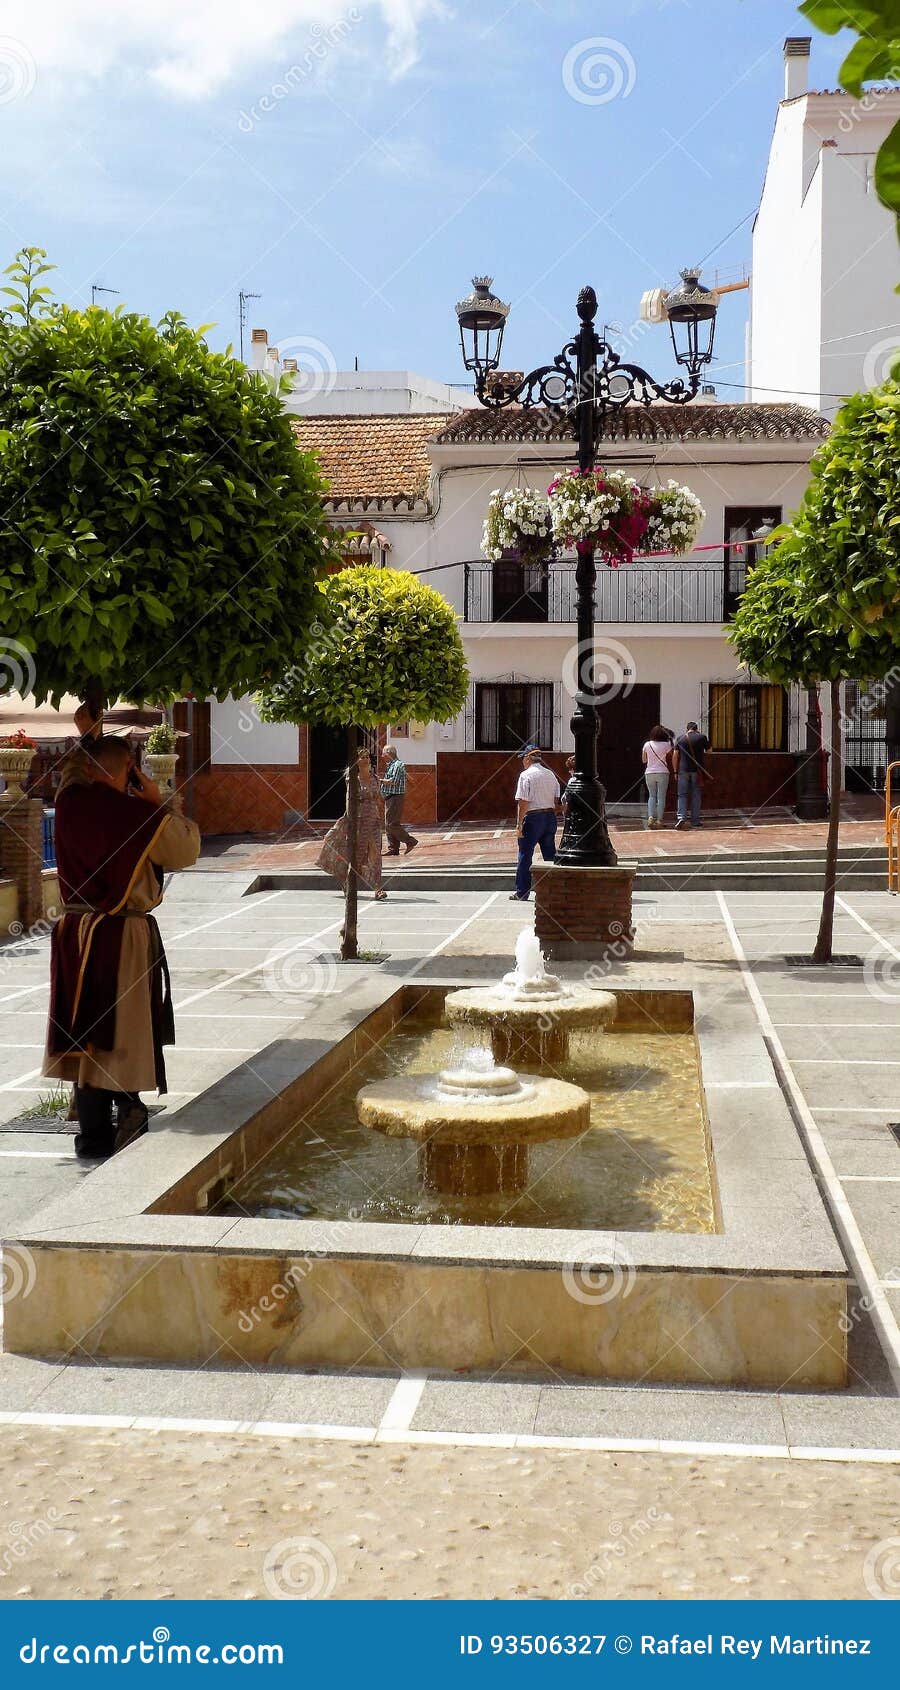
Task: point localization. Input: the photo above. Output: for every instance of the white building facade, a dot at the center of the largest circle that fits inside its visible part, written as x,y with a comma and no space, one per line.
824,316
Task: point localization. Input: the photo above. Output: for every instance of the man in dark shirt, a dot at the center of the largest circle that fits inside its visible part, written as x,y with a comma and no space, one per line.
690,771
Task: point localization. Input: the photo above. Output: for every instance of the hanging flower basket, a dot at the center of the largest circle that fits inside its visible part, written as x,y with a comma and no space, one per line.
675,520
602,508
518,525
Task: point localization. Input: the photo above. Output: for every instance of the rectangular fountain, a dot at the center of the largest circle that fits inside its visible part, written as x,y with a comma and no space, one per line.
678,1236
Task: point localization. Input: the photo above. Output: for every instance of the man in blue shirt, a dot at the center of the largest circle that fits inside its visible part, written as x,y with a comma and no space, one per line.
393,791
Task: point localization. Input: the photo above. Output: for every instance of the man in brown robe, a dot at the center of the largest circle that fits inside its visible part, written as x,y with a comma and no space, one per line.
110,1008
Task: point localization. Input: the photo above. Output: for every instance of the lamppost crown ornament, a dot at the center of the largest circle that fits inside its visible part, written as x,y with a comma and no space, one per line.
586,305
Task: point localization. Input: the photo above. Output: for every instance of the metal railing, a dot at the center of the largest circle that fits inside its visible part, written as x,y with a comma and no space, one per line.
632,593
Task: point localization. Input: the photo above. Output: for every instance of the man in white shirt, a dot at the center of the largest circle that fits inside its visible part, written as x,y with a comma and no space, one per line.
537,796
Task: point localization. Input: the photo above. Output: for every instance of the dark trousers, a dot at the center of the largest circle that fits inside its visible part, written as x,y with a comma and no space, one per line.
538,829
397,834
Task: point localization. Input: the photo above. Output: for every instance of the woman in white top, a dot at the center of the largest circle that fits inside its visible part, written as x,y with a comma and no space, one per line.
655,756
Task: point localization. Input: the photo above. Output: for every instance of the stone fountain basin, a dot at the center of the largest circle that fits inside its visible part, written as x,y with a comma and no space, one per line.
136,1263
484,1006
549,1109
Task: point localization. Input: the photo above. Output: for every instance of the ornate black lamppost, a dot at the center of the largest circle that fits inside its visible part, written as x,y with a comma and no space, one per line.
586,382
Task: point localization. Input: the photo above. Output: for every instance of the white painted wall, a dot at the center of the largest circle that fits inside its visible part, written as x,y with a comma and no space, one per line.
238,736
823,312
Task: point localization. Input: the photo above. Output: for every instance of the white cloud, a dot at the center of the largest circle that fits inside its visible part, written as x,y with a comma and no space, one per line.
192,48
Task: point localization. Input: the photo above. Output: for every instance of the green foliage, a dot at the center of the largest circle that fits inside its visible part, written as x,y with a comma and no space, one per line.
161,741
161,533
848,527
25,288
825,603
875,56
777,631
385,645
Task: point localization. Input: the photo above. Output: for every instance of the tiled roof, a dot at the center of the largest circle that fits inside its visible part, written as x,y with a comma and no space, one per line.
633,422
372,457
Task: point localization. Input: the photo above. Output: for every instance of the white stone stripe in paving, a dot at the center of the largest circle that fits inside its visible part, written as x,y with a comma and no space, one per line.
842,1215
868,927
405,1399
463,1440
39,1155
870,1179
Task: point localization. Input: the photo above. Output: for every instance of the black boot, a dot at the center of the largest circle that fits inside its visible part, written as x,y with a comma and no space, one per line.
95,1139
132,1118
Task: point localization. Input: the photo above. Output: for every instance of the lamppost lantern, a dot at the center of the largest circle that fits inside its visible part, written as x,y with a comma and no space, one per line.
584,388
482,319
691,312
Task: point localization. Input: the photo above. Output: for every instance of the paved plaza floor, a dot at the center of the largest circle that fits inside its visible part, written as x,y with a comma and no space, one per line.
465,1486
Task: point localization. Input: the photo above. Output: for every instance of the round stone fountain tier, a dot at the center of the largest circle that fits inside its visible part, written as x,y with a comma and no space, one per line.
530,1030
472,1148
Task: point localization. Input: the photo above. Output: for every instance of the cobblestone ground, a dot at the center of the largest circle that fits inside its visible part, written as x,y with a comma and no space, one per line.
156,1515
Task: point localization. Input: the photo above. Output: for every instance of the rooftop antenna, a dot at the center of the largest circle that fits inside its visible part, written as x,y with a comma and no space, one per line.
243,297
96,288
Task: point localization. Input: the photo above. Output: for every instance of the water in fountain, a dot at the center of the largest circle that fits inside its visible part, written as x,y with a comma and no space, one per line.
474,1077
529,979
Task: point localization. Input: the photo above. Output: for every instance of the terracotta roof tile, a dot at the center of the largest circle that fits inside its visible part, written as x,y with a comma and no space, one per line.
368,457
659,422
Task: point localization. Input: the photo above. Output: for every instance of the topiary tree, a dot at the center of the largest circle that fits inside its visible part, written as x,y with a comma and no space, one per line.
387,646
848,526
778,632
161,531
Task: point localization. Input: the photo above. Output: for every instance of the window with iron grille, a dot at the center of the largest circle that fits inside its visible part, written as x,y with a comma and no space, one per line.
749,716
510,714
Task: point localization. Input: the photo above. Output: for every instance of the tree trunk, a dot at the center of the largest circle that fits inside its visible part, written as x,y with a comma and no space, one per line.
94,698
349,948
824,941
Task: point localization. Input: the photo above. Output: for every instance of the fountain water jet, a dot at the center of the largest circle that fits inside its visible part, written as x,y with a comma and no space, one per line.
530,1014
473,1123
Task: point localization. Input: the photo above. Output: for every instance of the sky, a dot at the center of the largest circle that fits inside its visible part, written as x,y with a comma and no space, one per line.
356,164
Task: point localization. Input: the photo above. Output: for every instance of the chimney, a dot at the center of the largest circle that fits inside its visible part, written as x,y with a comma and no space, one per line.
796,65
259,346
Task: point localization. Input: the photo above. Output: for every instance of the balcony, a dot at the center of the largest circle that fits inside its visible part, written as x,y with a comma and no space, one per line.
673,593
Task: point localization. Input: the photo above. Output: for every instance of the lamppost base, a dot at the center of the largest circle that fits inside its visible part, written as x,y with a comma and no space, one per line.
585,841
584,913
811,803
